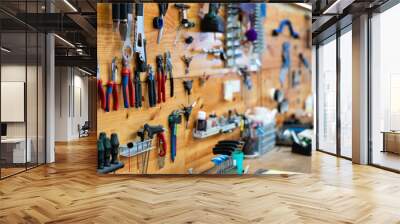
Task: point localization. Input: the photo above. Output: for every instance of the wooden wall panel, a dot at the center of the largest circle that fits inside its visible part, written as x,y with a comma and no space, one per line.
193,153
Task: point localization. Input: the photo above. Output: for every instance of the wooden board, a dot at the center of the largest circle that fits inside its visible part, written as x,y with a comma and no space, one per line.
192,153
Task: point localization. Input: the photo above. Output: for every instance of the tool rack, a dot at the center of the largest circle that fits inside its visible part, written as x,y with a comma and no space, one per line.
138,148
225,128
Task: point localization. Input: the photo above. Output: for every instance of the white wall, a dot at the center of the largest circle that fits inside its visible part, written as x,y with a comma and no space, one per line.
71,102
33,127
16,73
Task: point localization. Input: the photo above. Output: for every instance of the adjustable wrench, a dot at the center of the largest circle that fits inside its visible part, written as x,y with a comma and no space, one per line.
125,29
140,40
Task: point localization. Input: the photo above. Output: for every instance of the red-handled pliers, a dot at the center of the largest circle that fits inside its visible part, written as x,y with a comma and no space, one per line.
161,79
112,88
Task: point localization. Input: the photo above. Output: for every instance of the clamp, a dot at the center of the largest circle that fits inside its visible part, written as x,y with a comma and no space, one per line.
187,60
184,21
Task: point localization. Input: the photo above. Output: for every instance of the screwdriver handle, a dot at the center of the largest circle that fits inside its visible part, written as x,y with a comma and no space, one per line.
115,12
131,91
123,12
139,9
138,89
125,90
108,96
115,96
164,81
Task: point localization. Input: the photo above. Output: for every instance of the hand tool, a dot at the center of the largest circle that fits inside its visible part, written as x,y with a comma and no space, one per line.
187,60
112,88
114,148
277,95
212,22
283,106
161,79
127,86
246,77
140,40
296,78
100,154
151,87
218,52
174,119
282,25
100,91
107,151
148,131
187,85
158,22
123,25
203,79
162,143
125,28
168,69
151,130
285,62
116,16
304,61
184,21
138,89
187,111
162,149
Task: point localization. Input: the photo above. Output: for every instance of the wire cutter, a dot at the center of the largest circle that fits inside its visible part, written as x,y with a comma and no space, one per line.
161,79
112,88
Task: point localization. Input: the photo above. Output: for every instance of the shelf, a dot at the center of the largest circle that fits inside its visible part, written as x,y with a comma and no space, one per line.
214,131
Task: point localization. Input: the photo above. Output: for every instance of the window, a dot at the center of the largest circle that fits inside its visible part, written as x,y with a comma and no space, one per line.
22,76
346,93
327,96
385,89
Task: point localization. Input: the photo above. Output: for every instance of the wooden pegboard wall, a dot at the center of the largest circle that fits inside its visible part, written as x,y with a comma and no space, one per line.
192,153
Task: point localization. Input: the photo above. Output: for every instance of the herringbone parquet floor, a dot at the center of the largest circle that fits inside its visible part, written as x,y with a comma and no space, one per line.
70,192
